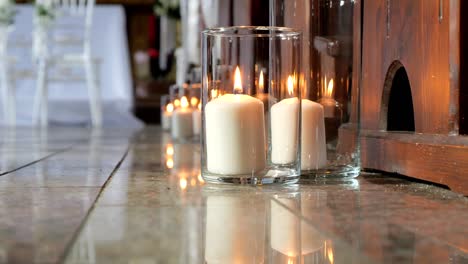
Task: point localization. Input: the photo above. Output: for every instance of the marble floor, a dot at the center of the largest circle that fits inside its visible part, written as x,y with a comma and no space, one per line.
71,195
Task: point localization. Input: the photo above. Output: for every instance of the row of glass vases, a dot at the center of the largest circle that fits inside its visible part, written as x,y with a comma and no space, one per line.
279,102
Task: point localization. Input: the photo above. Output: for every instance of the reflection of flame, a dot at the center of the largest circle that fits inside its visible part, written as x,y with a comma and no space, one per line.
176,102
261,82
290,85
237,81
170,163
290,261
214,93
329,89
169,107
183,183
330,254
184,102
199,106
193,101
170,150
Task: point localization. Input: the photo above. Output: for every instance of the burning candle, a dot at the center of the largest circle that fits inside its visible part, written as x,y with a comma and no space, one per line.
176,103
182,120
284,124
166,116
329,104
235,133
194,101
197,120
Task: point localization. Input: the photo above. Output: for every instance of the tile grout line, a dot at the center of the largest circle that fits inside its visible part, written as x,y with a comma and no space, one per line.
77,232
37,161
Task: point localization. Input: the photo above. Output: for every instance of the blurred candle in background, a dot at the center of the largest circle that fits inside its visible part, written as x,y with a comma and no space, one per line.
182,121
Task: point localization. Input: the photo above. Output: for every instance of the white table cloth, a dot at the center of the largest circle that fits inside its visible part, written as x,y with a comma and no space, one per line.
68,101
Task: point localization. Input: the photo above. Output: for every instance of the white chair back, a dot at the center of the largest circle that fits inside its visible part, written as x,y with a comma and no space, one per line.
53,11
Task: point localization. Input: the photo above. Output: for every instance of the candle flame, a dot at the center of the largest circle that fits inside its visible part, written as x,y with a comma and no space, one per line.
328,88
329,91
169,107
290,261
261,82
237,81
170,150
193,101
290,85
183,183
193,182
170,163
184,102
176,102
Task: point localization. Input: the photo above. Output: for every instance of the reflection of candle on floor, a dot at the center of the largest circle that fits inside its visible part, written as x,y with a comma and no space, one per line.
197,120
284,128
285,228
166,116
183,156
182,121
235,230
235,133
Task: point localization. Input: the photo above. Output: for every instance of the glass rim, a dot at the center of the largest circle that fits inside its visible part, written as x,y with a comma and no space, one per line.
252,31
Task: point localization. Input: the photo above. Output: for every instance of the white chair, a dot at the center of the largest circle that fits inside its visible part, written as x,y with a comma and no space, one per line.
46,57
6,78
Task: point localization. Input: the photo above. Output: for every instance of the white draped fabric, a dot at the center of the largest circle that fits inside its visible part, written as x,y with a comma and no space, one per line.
68,100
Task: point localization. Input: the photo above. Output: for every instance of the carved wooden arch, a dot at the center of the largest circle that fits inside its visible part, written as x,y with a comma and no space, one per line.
387,89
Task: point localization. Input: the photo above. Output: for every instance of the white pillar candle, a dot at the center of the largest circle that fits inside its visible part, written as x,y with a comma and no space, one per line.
166,116
313,148
197,120
182,121
284,131
235,133
284,128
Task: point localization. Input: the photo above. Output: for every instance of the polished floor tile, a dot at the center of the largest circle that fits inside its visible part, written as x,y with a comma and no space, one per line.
123,197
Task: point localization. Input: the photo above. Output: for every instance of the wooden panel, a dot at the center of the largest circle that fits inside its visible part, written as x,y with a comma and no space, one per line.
454,60
408,31
357,49
435,158
372,60
463,60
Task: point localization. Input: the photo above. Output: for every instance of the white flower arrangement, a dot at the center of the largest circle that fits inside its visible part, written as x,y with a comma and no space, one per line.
168,8
7,12
45,9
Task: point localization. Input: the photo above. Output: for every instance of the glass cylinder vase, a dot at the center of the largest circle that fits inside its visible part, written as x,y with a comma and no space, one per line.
331,67
250,105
